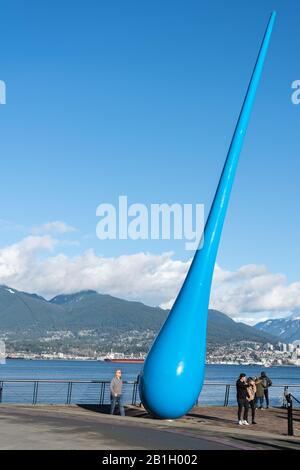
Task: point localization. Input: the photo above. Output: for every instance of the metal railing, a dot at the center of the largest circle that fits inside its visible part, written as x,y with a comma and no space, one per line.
63,391
225,394
97,392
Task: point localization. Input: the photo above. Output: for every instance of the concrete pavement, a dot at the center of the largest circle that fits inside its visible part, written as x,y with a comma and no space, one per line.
46,427
74,427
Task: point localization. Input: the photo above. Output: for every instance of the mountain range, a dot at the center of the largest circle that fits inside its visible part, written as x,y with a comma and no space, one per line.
87,317
287,329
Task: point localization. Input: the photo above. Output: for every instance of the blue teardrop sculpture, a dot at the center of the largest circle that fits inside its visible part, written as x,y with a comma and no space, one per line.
173,372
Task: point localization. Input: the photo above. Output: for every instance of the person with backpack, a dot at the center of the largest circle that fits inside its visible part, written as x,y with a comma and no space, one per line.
266,383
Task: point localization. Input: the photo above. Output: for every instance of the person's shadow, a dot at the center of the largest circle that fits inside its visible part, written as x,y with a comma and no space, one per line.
104,409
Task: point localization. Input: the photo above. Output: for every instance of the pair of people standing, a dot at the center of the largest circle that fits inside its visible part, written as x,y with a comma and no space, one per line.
246,390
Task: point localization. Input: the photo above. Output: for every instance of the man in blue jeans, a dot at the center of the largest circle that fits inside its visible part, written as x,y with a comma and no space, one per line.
116,393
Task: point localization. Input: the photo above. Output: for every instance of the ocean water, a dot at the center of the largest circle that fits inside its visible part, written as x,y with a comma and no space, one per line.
213,392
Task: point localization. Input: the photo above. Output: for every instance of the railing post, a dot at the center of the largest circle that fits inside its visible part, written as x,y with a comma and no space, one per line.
35,393
100,394
136,388
227,390
290,414
1,391
225,397
69,393
70,396
103,393
67,399
134,392
102,389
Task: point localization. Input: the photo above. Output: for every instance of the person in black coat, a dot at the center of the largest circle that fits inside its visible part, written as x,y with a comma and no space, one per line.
241,396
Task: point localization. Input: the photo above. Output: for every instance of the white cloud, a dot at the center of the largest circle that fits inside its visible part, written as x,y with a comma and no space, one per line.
55,227
153,279
18,259
249,294
253,294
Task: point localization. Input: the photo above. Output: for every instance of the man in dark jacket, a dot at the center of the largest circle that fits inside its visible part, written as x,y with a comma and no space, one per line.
116,385
241,396
266,383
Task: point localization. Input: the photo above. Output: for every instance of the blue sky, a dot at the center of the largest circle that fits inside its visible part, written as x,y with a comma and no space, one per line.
141,98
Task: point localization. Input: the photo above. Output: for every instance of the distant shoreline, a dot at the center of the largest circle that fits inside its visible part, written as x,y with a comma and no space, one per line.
89,359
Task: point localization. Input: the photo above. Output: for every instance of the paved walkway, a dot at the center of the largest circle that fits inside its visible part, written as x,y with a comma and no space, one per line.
272,420
74,427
